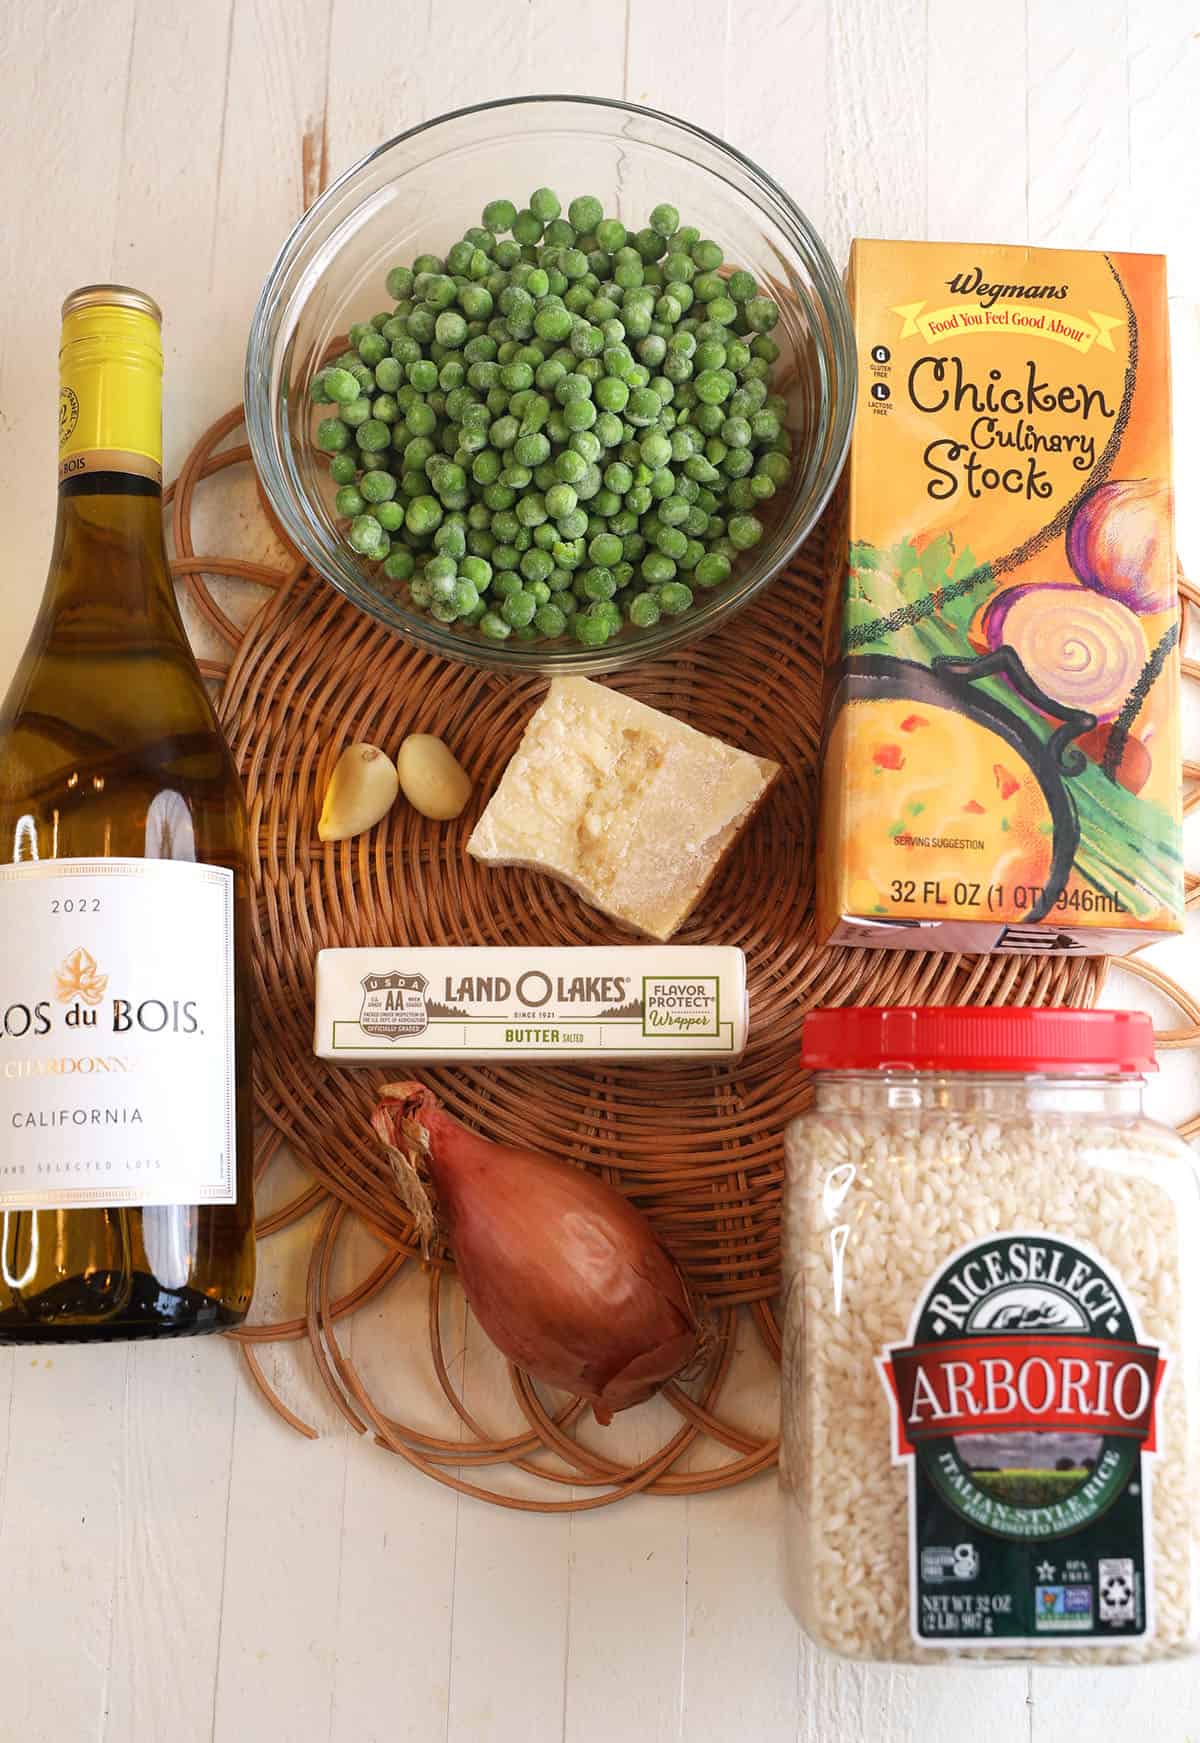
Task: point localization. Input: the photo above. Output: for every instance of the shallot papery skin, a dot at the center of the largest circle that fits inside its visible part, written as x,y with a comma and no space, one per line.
564,1275
1120,542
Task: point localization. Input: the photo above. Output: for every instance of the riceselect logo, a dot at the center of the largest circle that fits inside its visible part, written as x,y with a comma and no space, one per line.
1024,1391
973,284
81,989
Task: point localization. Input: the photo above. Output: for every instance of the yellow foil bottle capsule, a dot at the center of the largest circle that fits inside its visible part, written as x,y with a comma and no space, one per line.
110,384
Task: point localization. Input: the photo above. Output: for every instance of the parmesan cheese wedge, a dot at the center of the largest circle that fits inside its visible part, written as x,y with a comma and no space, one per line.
632,809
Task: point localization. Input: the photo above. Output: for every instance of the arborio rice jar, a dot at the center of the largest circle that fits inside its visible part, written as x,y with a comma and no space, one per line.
990,1442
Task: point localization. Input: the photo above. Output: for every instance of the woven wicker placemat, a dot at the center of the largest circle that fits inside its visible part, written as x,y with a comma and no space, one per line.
698,1148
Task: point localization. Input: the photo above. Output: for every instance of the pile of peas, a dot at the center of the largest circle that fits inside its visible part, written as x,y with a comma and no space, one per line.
562,432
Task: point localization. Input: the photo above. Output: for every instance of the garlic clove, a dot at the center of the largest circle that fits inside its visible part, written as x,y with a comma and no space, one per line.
432,779
361,790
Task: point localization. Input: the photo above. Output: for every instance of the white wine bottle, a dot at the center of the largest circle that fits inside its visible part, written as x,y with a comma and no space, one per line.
125,1143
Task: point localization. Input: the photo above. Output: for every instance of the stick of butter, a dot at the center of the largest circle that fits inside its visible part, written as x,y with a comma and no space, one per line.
633,809
427,1007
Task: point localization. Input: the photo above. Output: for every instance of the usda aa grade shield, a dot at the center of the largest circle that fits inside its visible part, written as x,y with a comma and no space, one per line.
1024,1406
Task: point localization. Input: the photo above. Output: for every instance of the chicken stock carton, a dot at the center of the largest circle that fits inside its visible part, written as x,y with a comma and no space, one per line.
1002,757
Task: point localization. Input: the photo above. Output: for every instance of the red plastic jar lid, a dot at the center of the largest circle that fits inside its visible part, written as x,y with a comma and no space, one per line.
978,1038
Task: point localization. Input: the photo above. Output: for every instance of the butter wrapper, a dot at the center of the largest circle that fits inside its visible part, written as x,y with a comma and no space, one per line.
430,1007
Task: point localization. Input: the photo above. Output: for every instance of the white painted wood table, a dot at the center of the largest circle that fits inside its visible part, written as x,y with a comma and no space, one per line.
176,1565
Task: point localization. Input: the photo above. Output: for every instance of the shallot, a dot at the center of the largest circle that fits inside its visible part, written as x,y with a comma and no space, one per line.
565,1276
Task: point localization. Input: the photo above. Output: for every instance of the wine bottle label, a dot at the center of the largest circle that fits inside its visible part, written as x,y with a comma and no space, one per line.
110,394
117,1072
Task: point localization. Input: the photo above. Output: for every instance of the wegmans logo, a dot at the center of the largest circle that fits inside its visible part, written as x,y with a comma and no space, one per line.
973,284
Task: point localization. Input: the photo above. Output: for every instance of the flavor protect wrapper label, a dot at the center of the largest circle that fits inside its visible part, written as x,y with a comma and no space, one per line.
475,1003
1002,754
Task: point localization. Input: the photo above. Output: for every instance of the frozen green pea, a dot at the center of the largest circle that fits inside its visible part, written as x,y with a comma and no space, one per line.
550,619
349,502
644,407
536,564
518,609
611,394
492,625
649,244
424,515
575,524
526,228
544,204
585,213
531,510
531,450
450,540
611,235
745,530
465,596
499,216
332,435
762,313
366,535
605,549
340,386
476,570
389,374
608,429
450,329
658,568
713,386
570,466
712,570
597,583
644,610
674,597
591,632
398,565
774,466
670,541
373,435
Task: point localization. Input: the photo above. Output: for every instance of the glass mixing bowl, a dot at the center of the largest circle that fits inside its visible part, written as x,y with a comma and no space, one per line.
417,194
